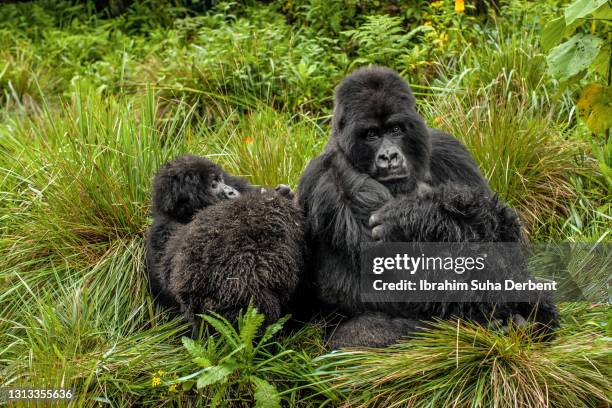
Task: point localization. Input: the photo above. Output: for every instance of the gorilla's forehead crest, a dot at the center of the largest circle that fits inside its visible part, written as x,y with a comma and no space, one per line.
380,88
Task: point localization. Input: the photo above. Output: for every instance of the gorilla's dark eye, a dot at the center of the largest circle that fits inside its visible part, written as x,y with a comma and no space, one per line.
371,135
396,129
214,183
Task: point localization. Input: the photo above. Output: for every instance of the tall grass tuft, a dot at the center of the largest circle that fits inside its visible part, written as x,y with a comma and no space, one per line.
266,147
464,365
521,150
79,177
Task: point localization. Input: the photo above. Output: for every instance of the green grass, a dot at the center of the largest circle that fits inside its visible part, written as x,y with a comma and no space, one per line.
92,105
522,152
458,364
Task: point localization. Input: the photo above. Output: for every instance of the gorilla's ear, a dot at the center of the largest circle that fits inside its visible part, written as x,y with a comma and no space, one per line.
338,119
341,123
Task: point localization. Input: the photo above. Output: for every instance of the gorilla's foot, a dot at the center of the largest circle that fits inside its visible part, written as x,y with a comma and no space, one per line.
372,330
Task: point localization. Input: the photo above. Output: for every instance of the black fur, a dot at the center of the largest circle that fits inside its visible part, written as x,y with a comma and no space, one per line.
206,254
443,198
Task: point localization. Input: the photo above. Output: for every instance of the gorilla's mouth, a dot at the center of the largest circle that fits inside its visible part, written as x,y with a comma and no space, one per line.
397,173
389,177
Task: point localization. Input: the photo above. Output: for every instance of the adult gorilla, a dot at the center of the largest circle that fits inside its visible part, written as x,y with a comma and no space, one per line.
385,176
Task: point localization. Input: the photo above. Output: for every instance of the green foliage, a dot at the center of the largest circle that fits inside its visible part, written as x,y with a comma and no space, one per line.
266,147
584,55
234,362
92,102
459,363
381,39
524,158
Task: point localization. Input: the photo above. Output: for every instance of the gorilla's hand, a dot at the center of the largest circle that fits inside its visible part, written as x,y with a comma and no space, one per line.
385,220
284,191
391,215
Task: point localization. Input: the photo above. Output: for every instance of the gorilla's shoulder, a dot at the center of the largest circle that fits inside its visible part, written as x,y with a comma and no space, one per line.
451,161
444,144
313,172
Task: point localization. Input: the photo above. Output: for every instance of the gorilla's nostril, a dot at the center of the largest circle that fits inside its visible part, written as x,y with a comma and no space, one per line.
396,160
230,192
382,162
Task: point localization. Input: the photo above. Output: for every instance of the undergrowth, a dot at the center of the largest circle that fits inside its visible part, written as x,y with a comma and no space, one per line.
93,101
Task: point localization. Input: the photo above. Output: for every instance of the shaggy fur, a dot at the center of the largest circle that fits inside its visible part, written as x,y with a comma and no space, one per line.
438,196
209,254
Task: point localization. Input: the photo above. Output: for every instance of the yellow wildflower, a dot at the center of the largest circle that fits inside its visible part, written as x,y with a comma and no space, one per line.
427,24
161,373
172,388
459,6
155,382
437,4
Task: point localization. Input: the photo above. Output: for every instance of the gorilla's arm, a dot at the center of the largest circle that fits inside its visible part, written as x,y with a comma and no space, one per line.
459,207
337,202
449,213
451,162
240,184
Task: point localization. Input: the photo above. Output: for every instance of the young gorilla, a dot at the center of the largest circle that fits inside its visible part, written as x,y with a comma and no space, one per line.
218,243
385,176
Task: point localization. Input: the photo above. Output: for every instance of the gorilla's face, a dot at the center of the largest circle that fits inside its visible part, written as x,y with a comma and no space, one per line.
378,129
388,146
219,189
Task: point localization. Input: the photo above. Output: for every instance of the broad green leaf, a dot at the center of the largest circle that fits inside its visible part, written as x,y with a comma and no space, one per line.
553,33
249,324
595,107
213,375
272,329
604,12
601,61
573,56
187,385
266,395
193,348
224,327
580,9
202,361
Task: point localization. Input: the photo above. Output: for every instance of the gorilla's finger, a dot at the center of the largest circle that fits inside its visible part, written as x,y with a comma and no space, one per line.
424,190
284,190
519,320
375,219
378,232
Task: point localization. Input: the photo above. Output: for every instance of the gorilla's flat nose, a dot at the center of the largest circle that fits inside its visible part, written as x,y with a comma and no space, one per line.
230,192
389,159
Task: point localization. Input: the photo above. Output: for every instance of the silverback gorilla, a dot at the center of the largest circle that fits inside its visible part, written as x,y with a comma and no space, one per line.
218,243
385,176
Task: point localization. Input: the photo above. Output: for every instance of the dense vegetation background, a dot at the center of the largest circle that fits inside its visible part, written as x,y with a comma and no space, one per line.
95,96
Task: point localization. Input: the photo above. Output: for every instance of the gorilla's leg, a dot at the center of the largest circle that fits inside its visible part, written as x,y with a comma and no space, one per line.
372,330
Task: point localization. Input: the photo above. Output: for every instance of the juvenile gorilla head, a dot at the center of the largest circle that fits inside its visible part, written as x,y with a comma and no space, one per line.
186,183
377,128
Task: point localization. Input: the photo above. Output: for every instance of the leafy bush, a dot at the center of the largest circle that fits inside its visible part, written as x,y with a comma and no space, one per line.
233,365
582,54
